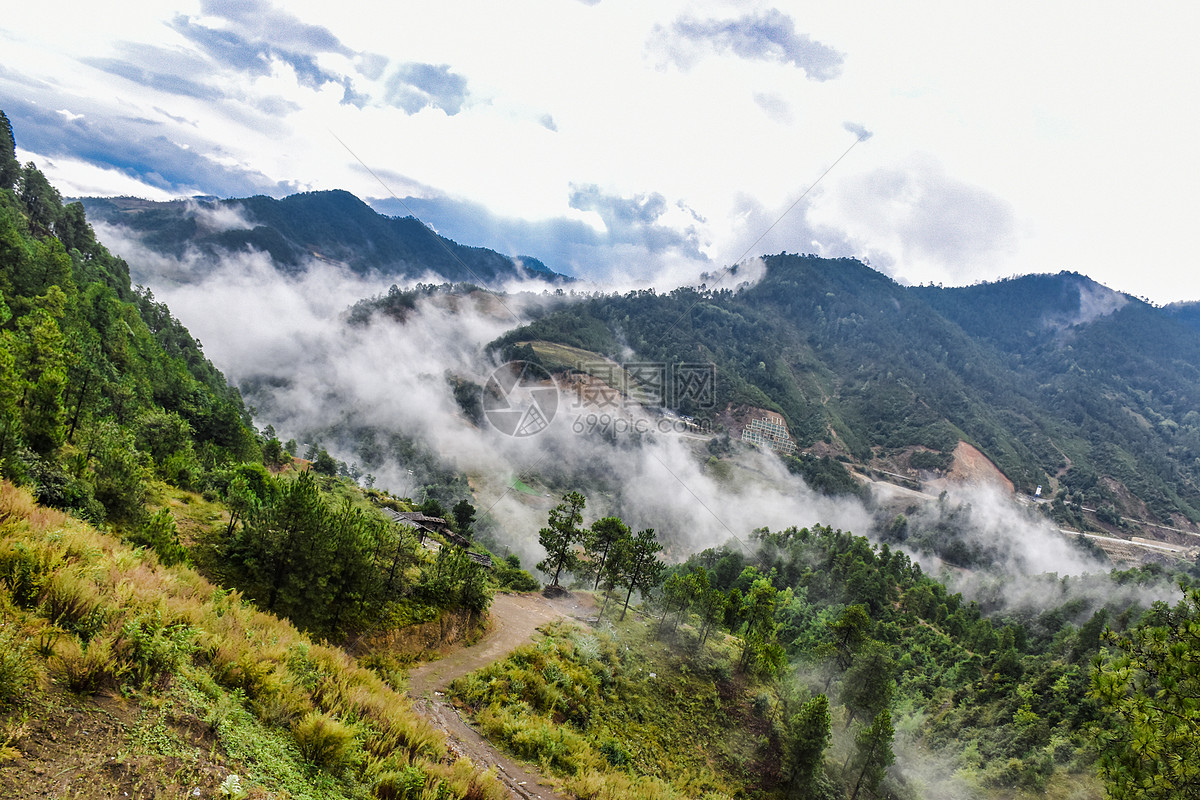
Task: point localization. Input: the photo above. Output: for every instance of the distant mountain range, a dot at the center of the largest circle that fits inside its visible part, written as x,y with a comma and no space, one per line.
332,226
1063,383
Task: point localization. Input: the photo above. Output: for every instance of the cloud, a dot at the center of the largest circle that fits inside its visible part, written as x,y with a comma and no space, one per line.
636,220
167,82
858,130
768,35
255,55
371,65
547,122
266,22
920,219
632,240
1097,300
137,147
774,106
315,377
414,86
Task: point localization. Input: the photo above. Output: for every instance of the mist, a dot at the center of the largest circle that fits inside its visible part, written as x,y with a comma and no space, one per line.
285,340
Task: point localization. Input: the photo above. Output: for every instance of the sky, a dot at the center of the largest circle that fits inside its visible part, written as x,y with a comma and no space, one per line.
941,142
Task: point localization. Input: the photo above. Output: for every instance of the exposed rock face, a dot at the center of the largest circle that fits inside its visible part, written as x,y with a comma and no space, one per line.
973,468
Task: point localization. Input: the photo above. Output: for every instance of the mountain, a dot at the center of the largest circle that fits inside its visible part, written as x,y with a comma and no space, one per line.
1059,381
327,226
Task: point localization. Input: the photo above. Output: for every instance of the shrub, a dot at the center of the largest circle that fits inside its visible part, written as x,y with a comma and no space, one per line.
151,648
324,741
161,534
27,569
405,784
86,669
73,603
17,670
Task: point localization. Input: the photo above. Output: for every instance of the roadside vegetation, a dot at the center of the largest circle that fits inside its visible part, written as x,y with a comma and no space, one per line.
84,616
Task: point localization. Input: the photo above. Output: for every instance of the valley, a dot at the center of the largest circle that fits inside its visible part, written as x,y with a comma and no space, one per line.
424,521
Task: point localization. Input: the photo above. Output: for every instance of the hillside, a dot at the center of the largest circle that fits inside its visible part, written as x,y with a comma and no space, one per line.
1060,382
187,609
103,389
328,226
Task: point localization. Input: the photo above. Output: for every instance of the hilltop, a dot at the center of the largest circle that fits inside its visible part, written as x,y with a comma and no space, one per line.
1060,382
331,226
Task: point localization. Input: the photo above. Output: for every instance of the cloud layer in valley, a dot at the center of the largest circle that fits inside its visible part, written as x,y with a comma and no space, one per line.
317,378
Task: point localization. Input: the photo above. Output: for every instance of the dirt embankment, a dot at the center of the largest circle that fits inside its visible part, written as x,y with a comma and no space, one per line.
515,619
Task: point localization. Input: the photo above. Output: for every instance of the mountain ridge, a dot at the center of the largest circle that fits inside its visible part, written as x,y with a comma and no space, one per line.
1099,405
330,225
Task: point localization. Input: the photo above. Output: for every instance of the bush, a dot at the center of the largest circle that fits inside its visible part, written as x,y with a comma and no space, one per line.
510,576
161,534
325,742
26,570
86,669
405,784
151,648
17,671
73,603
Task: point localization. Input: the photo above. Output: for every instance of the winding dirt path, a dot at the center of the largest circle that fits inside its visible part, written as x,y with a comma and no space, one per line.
515,619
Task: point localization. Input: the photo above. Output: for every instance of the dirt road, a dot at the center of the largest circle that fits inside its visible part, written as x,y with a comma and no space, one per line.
514,621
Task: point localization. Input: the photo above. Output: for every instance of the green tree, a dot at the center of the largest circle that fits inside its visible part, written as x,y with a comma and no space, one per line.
42,201
642,570
10,168
464,517
325,464
848,633
600,541
712,607
1150,687
761,652
243,502
868,685
118,472
561,536
872,753
808,732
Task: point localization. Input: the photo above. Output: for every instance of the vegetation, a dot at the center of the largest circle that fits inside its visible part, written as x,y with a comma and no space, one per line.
1099,408
1149,686
809,663
81,613
333,223
103,391
836,653
616,717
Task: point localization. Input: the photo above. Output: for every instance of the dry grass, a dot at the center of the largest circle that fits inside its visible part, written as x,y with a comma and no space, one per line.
111,614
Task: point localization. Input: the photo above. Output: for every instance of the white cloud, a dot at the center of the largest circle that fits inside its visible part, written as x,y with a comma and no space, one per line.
1089,154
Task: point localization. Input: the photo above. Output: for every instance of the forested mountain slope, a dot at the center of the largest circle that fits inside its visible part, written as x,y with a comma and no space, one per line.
102,388
1059,381
328,225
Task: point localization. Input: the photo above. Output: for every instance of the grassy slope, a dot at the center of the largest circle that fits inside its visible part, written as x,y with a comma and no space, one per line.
117,673
615,713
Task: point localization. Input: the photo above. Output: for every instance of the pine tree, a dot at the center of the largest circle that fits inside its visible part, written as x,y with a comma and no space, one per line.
643,571
809,731
872,753
1150,686
561,535
603,536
